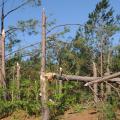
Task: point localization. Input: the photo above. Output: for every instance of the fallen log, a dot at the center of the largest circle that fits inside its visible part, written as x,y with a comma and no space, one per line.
115,80
106,78
64,77
75,78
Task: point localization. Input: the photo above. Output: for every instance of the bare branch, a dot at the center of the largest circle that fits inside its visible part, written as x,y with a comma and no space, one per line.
23,48
103,79
57,26
113,88
14,9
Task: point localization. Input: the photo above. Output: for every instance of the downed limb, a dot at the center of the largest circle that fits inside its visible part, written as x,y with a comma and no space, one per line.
113,88
64,77
74,78
115,80
69,77
106,78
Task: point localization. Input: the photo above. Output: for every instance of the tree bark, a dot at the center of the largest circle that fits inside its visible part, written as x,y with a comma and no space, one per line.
2,53
0,63
101,69
18,81
108,87
13,84
95,85
74,78
106,78
60,82
3,58
43,82
64,77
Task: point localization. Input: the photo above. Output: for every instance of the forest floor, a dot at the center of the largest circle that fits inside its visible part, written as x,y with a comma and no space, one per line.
83,115
20,115
87,114
69,115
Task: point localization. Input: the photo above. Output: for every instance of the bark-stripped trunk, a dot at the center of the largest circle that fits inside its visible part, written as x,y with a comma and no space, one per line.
108,87
101,68
60,82
13,83
89,80
2,53
43,81
18,81
0,62
95,85
111,78
3,57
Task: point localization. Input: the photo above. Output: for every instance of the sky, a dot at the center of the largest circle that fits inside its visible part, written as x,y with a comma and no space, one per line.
64,11
75,11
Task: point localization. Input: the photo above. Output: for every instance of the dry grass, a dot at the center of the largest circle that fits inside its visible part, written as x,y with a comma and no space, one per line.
20,115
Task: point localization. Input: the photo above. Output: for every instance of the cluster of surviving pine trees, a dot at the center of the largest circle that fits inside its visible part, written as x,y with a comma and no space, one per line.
94,43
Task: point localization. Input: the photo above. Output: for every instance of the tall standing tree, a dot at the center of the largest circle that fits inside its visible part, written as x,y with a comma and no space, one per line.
100,27
11,31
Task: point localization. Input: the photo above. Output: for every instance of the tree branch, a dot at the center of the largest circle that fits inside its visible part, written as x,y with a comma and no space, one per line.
81,78
14,9
103,79
23,48
113,88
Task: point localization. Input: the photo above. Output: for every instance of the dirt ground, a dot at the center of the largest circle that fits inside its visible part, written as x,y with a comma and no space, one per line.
84,115
69,115
20,115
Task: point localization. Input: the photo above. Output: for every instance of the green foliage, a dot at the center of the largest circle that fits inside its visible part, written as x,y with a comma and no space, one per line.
75,57
28,26
107,109
78,107
115,59
106,112
8,107
72,96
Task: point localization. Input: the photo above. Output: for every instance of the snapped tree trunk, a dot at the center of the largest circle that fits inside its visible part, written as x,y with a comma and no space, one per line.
0,62
101,68
3,58
90,80
2,54
60,82
43,81
108,87
18,80
13,83
95,85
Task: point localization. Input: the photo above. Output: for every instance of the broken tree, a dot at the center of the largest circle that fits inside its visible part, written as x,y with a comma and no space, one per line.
43,81
95,85
91,80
